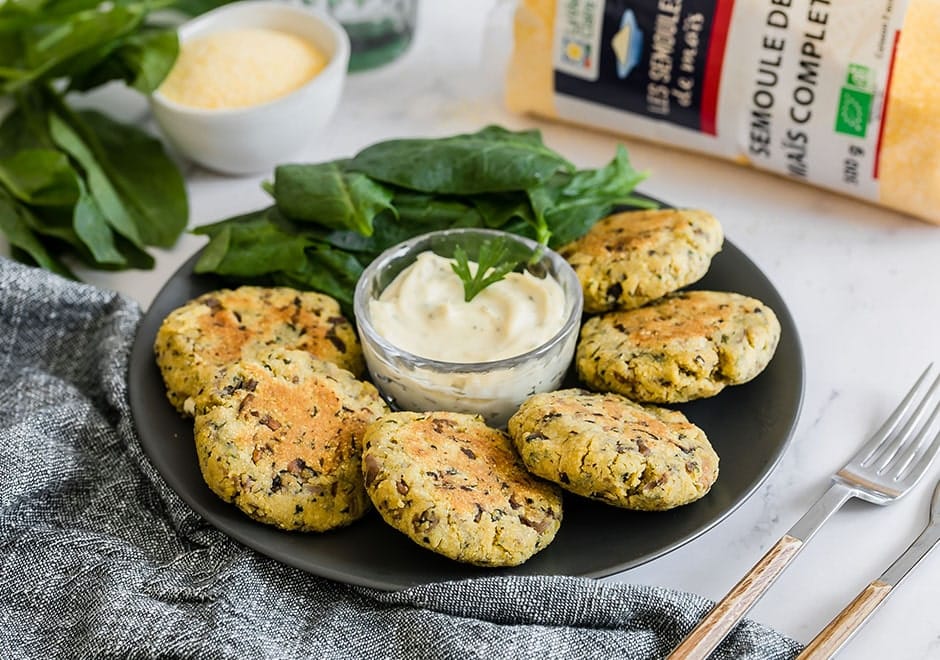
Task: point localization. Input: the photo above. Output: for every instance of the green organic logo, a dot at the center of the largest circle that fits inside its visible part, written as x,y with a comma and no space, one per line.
855,101
854,112
860,77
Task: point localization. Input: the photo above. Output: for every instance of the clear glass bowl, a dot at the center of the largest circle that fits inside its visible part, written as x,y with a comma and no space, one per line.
493,389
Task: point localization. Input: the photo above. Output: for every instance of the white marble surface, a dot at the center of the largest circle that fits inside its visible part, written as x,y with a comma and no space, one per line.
861,282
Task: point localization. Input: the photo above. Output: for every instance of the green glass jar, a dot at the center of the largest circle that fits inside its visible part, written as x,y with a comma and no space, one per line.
379,30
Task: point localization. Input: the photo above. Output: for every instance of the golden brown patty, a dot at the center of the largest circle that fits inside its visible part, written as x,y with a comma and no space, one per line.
685,346
281,437
631,258
222,327
610,449
456,486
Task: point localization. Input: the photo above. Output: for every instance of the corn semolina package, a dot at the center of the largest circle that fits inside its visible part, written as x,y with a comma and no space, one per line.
843,94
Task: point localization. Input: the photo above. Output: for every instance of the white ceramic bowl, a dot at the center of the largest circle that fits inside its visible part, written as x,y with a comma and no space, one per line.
254,139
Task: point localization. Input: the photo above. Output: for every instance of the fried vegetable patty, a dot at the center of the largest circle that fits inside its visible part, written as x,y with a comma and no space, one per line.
610,449
280,436
221,327
682,347
457,487
631,258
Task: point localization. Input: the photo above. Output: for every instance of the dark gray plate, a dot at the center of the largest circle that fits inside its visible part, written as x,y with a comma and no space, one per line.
749,426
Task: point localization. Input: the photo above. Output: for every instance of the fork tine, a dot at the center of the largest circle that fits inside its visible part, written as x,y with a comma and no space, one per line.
907,457
903,436
913,449
917,469
872,446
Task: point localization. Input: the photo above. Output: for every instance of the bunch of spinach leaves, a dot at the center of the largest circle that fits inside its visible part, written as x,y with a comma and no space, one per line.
77,182
329,220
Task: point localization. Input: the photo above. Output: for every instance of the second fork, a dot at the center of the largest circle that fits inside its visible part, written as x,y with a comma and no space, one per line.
884,469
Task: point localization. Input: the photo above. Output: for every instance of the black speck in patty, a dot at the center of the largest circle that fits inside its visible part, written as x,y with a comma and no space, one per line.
426,520
614,291
335,340
372,469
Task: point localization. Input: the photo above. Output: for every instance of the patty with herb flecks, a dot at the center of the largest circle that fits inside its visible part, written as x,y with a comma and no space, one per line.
456,486
280,436
628,259
218,328
610,449
685,346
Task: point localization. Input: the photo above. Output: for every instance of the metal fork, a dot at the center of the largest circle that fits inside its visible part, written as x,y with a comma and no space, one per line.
884,469
841,629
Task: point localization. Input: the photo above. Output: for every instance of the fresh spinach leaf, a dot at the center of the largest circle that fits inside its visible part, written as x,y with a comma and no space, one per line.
150,184
569,204
100,186
196,7
133,181
435,211
25,127
42,177
491,160
327,270
81,184
50,46
247,246
92,228
54,223
136,257
142,61
15,224
329,195
497,209
571,221
617,179
418,213
424,185
387,231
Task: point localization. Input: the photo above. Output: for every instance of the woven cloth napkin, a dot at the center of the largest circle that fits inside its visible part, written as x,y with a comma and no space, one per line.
99,558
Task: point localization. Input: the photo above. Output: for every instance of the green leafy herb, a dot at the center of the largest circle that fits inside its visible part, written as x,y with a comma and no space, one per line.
330,195
571,203
196,7
491,160
244,248
79,184
15,223
149,185
142,61
257,240
492,265
42,177
331,219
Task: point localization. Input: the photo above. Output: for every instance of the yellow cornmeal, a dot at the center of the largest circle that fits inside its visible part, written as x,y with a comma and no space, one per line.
240,68
530,84
910,148
909,168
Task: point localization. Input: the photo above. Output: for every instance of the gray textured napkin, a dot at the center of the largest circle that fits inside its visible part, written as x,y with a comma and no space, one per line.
99,558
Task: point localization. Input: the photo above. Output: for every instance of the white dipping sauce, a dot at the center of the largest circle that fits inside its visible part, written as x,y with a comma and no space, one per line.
423,312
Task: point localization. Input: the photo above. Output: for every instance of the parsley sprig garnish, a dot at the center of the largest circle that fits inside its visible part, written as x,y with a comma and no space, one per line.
494,262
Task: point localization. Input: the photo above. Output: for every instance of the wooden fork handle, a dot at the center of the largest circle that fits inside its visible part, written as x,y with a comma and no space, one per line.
722,619
837,633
